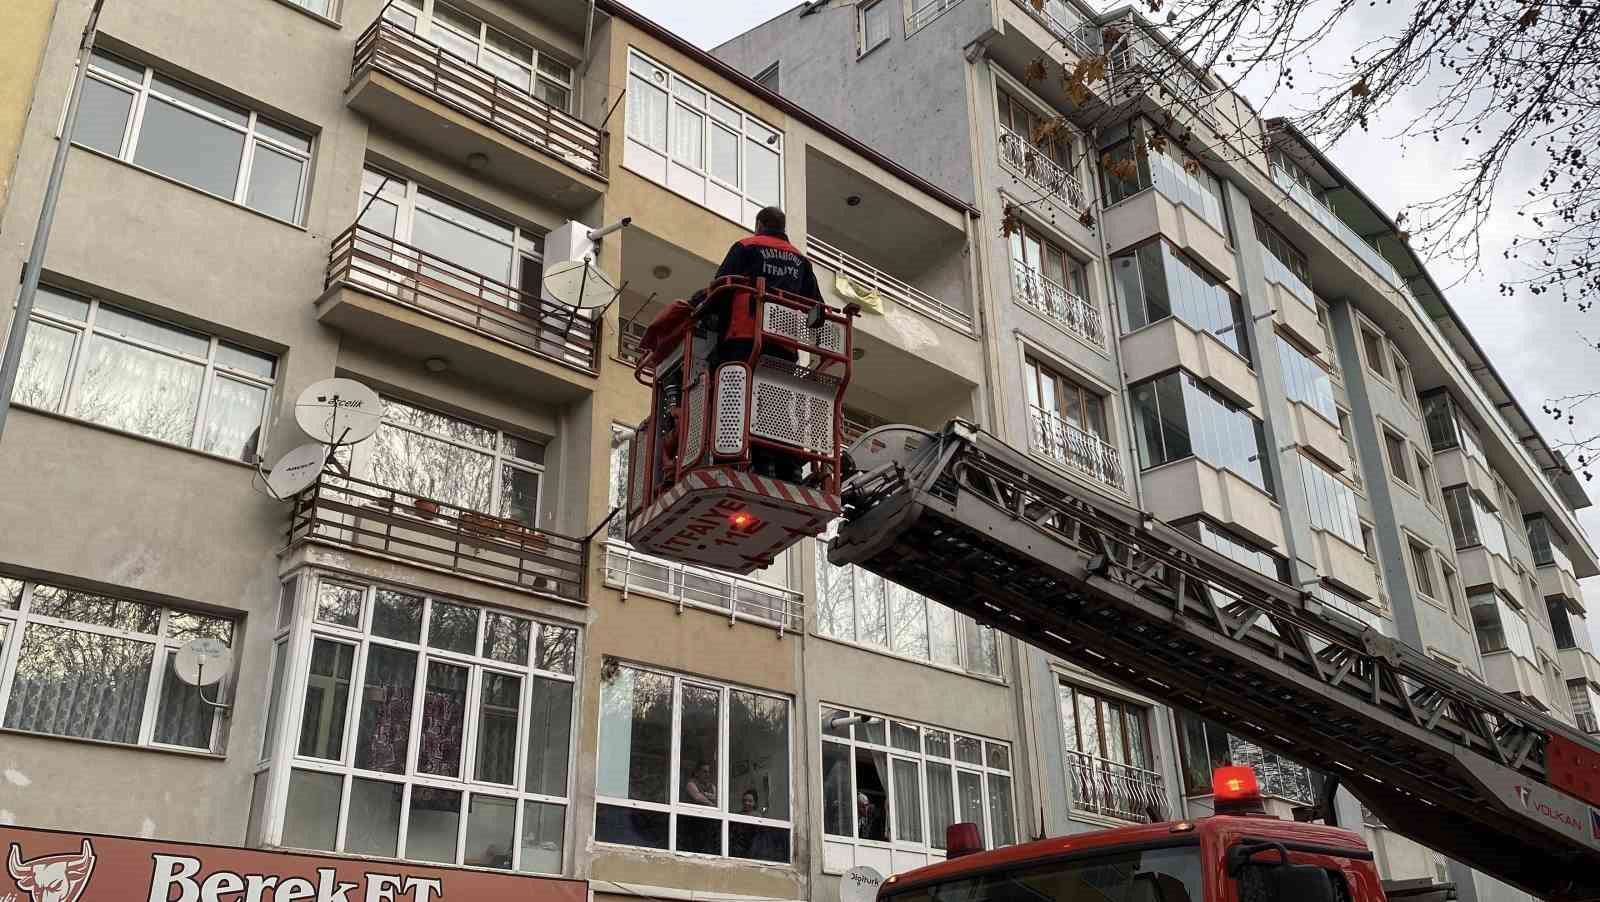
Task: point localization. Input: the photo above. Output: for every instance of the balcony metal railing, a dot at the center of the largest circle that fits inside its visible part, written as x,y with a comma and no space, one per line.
367,259
868,276
389,48
629,337
926,12
739,597
1066,444
1112,789
1330,220
1044,174
1062,23
355,513
1033,289
1587,722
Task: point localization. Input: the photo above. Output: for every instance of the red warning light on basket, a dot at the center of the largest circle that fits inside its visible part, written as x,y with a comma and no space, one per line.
744,521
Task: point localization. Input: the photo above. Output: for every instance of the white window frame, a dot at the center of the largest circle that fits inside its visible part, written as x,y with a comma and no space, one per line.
408,196
13,627
922,758
300,631
143,90
423,10
884,9
680,96
676,777
85,329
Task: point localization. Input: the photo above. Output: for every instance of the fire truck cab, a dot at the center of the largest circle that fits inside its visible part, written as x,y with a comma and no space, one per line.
740,456
1238,855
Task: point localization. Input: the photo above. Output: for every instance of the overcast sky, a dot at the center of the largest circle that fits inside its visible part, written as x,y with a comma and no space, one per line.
1535,344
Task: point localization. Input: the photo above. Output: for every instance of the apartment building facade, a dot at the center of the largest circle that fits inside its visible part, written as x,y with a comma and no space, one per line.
1228,333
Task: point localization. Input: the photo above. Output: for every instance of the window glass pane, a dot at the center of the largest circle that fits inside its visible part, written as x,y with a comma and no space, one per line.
1001,818
473,253
943,643
969,750
871,729
274,701
520,75
431,468
872,794
275,184
203,102
835,598
52,601
983,651
941,803
631,826
701,708
904,736
103,112
766,175
453,627
549,736
444,716
558,648
385,727
491,832
505,638
758,752
340,604
373,826
635,735
553,94
725,155
907,800
871,599
758,842
233,418
519,495
311,814
908,615
139,391
543,833
396,615
434,823
699,834
285,136
998,756
105,62
196,151
327,699
837,804
181,717
647,112
500,701
688,136
46,358
969,798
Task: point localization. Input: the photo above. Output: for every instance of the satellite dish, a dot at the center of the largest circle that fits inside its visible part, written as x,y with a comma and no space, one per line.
860,884
887,444
579,283
203,662
297,470
338,411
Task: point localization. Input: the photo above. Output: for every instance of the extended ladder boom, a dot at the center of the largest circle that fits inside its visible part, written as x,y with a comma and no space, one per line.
983,528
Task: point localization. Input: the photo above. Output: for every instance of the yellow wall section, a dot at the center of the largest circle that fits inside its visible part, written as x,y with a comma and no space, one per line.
26,27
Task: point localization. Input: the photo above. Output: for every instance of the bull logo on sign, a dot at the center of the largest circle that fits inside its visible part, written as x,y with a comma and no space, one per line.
52,878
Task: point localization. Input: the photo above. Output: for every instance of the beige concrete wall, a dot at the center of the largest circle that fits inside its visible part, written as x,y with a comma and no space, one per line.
26,26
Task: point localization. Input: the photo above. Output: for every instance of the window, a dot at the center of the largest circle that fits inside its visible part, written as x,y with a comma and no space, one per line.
1019,119
1561,623
768,77
324,8
1510,510
1332,502
1500,626
1176,417
106,365
858,606
1068,424
1448,428
1430,485
1206,746
876,21
695,143
691,766
1421,567
1395,447
1286,265
1372,346
1240,550
926,11
1325,323
1548,547
1402,380
895,783
417,710
1306,380
1171,170
1452,586
1347,435
1472,522
528,70
1110,759
130,112
1155,282
1585,702
97,667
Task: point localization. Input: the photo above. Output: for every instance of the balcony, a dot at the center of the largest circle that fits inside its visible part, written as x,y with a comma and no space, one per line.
1055,303
1042,174
740,598
417,88
1055,439
1556,582
411,301
1171,343
1330,220
1063,24
361,515
1115,790
866,277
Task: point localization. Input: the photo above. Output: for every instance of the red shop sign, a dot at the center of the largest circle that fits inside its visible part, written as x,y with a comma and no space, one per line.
52,866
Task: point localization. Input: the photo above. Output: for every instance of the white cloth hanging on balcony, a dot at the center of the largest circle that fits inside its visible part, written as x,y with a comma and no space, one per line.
867,298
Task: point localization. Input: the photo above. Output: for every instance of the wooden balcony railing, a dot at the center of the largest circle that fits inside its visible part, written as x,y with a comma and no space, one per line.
367,259
1112,789
458,83
355,513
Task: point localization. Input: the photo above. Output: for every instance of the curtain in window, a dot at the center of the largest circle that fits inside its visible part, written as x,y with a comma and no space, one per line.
941,803
73,683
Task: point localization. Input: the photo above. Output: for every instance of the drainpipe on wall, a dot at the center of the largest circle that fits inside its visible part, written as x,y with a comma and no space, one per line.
588,41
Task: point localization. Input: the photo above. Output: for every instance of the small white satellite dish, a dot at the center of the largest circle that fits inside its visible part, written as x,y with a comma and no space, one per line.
885,444
338,411
579,283
860,884
203,662
297,470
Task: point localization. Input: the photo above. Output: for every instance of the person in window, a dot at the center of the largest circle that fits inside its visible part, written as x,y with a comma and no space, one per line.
701,787
869,819
756,844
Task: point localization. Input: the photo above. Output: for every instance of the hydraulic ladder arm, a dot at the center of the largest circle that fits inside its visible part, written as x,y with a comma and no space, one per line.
983,528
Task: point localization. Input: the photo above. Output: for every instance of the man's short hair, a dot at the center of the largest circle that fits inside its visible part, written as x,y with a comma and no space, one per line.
771,219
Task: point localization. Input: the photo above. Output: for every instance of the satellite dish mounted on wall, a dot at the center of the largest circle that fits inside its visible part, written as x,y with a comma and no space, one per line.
296,471
203,662
338,411
581,285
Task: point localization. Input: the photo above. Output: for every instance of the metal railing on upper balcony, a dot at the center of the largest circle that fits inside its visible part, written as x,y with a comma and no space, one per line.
355,513
1045,175
1321,212
1033,289
867,277
367,259
1062,23
741,598
1052,437
1112,789
393,50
